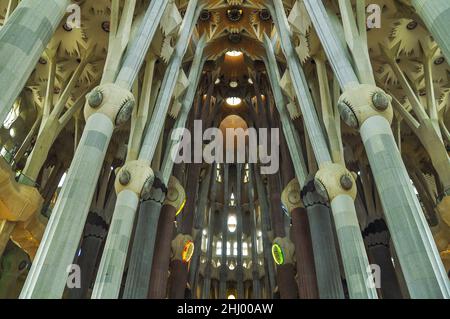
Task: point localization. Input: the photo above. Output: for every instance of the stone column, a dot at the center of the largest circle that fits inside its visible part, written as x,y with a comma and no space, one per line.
324,248
256,285
95,232
342,201
376,235
223,267
138,275
24,38
265,227
368,109
107,106
435,15
285,272
306,273
211,220
200,219
239,233
287,285
178,267
161,260
133,181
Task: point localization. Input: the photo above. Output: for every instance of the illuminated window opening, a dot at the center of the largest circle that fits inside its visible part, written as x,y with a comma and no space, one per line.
12,116
218,174
233,101
232,200
244,249
232,223
218,248
234,53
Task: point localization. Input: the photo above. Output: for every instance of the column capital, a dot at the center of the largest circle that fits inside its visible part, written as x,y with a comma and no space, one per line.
112,100
362,101
176,196
290,196
136,176
334,179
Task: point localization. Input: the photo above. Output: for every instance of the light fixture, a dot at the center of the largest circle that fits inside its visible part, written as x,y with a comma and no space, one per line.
234,53
217,81
181,207
233,101
231,297
250,81
277,254
233,84
188,251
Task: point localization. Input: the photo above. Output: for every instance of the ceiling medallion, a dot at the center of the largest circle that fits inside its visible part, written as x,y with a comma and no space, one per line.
264,15
205,15
234,14
234,38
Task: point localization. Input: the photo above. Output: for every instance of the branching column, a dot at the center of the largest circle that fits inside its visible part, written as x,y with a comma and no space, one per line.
435,14
137,186
368,108
334,182
24,37
138,276
160,266
107,106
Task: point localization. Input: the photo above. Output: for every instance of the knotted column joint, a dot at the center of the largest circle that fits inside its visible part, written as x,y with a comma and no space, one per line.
363,101
333,180
111,100
136,176
290,196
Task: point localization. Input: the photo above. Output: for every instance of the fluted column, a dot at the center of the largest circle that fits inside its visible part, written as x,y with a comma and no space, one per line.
138,275
435,14
376,235
200,218
324,248
224,227
239,232
336,182
95,232
107,106
256,285
161,260
255,179
178,265
24,38
206,291
301,236
368,109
